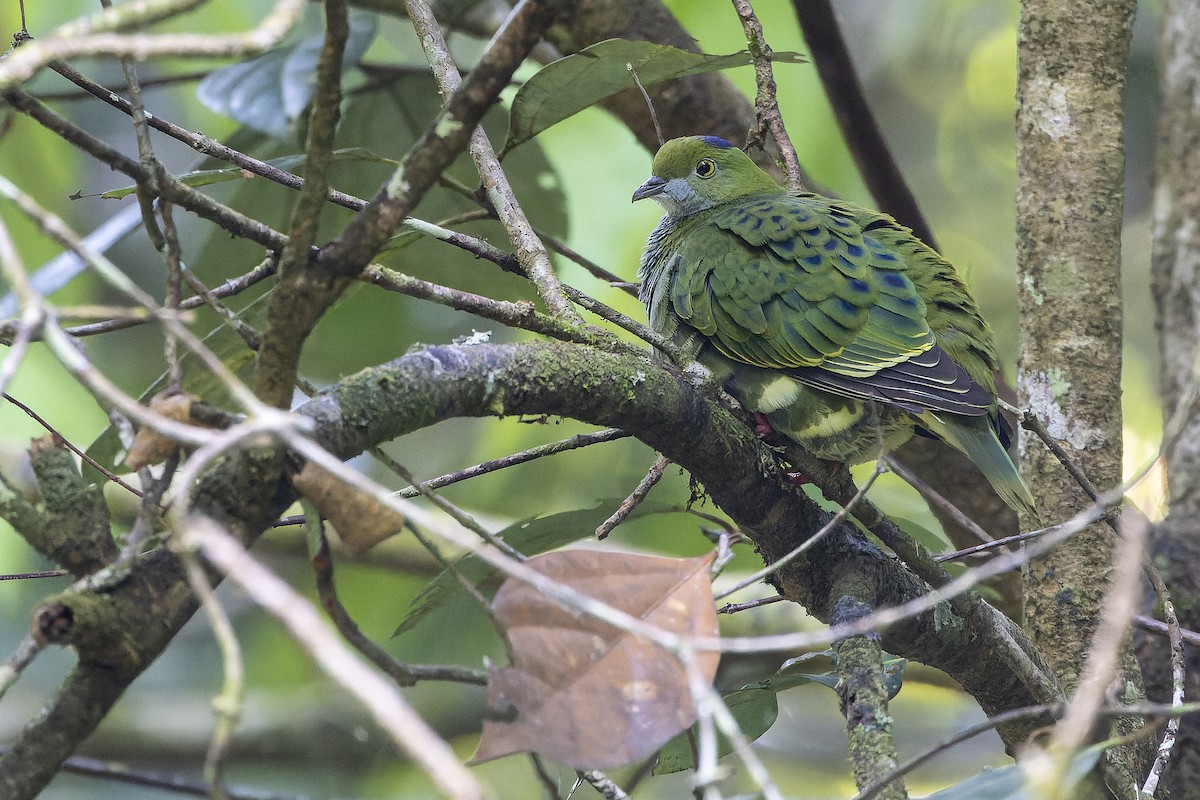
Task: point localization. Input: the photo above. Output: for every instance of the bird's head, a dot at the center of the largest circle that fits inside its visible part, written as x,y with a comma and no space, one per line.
695,173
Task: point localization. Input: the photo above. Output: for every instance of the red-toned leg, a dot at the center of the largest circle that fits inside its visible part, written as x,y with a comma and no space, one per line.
762,425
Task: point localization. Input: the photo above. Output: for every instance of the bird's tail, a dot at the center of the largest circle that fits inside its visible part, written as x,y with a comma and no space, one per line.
976,438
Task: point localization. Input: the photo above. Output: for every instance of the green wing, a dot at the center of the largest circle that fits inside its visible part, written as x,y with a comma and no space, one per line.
796,283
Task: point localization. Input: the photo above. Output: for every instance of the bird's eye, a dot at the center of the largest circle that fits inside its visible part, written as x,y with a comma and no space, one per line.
706,168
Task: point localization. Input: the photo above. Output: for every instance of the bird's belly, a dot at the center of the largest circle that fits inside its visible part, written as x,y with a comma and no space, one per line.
830,426
837,422
842,429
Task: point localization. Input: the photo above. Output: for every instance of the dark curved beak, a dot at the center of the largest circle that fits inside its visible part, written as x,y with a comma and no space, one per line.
650,188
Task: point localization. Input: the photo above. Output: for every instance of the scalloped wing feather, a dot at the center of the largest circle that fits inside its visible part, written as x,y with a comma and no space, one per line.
792,283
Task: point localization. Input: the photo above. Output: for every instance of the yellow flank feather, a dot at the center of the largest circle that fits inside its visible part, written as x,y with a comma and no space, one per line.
779,392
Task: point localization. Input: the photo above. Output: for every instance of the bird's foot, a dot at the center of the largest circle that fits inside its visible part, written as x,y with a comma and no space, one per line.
762,425
798,478
819,473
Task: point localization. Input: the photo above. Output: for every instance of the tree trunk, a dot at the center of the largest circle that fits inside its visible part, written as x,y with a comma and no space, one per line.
1175,265
1070,179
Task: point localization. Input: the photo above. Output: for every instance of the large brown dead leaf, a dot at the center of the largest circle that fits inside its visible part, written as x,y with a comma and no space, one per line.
581,691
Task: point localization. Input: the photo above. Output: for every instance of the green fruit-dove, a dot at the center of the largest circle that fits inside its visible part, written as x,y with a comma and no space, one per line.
833,321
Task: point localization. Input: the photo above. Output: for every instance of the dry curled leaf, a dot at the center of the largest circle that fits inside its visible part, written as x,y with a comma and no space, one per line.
581,691
361,521
151,447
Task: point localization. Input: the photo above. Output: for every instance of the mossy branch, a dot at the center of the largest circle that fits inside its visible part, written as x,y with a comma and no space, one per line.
71,529
146,601
666,411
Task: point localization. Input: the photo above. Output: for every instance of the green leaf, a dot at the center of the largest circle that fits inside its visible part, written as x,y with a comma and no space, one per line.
530,536
754,707
927,538
790,673
270,92
207,177
569,85
1008,783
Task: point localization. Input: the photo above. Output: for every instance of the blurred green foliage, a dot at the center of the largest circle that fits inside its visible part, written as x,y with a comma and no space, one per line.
940,75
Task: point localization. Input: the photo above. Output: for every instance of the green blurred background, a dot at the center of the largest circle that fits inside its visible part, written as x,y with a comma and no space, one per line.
940,76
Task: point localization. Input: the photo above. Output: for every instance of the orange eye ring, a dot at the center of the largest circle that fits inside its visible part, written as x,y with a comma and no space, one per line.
706,168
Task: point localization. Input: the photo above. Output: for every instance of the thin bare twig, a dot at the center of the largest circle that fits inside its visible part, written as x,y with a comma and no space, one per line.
150,508
1049,538
107,473
380,698
608,789
121,772
657,340
202,205
229,288
21,658
766,106
71,356
76,361
201,143
711,708
229,703
649,105
1175,635
403,674
525,456
635,498
736,608
1031,423
25,576
166,242
520,314
998,544
563,249
846,509
934,499
531,253
1013,715
455,513
89,37
1155,626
